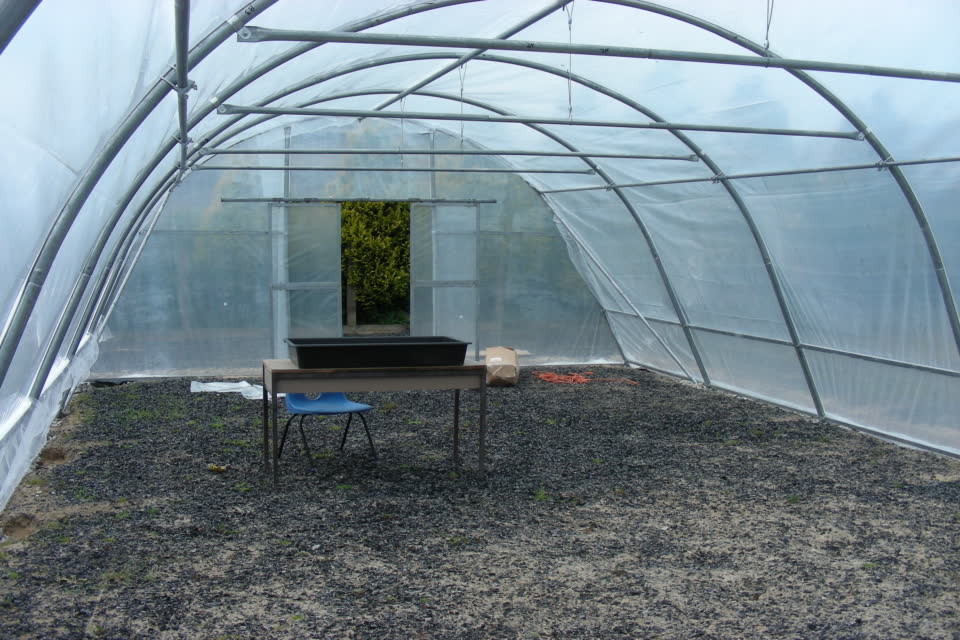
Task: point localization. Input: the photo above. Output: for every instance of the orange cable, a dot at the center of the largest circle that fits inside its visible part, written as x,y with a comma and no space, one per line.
574,378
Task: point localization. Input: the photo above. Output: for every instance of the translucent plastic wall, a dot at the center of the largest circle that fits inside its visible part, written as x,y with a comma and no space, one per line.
201,299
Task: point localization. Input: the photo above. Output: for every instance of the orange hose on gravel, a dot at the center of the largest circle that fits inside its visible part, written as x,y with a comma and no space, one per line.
574,378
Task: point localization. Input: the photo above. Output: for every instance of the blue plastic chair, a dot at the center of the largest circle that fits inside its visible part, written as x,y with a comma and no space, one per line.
325,404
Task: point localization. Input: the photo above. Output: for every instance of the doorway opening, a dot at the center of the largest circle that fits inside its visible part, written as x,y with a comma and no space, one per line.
375,268
342,268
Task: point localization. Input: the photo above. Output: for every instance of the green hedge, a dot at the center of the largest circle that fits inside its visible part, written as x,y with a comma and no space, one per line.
376,256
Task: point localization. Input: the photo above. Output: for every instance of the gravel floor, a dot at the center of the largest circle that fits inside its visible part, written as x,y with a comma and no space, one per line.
613,510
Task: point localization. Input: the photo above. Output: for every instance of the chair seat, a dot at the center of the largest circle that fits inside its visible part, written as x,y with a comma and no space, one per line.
325,404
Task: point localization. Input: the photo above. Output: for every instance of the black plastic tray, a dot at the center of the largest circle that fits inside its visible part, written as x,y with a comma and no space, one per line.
374,351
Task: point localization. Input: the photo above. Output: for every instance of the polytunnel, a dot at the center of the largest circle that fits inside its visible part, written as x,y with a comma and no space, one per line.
752,196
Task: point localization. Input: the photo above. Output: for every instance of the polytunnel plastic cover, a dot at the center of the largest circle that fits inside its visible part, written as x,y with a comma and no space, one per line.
744,226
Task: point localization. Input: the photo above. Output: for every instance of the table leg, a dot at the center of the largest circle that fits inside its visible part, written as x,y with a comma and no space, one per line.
266,434
483,422
456,427
276,457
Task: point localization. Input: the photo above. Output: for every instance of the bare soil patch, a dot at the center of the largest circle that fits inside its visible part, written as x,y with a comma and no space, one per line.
612,510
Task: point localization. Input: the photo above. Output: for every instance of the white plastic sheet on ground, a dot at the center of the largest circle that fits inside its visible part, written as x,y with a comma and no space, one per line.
244,388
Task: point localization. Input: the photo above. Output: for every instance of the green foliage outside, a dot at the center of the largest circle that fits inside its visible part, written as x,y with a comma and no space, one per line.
376,258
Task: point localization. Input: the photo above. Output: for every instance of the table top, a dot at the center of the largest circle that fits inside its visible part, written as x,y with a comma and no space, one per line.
287,366
284,376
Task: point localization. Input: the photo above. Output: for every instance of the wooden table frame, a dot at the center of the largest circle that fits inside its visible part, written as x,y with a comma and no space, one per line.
282,376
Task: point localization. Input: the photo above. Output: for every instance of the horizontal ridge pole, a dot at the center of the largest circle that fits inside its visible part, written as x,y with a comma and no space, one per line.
218,167
232,109
214,151
762,174
259,34
282,201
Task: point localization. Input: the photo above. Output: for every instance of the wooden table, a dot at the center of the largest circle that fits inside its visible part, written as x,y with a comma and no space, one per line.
283,376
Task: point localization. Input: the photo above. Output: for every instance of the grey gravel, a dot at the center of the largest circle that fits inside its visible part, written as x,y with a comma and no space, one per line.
611,510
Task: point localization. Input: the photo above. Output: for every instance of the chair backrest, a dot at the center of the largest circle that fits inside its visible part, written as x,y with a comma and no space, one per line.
329,395
331,401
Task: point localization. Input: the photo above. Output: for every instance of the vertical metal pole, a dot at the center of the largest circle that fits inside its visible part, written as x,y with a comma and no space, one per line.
476,286
272,212
433,226
456,427
482,435
275,462
182,19
287,161
265,435
281,304
338,214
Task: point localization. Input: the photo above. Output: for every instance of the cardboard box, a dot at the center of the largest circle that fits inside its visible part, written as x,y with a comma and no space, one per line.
502,368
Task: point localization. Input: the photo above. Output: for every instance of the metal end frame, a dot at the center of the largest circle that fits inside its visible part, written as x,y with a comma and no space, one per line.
648,238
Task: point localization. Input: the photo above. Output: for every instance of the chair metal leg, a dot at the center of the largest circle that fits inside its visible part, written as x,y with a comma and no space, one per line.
303,436
373,451
346,430
283,438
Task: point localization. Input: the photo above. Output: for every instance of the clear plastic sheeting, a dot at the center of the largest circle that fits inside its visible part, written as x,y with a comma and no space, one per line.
936,187
740,275
762,370
619,250
522,291
711,258
23,432
917,406
675,339
641,345
879,295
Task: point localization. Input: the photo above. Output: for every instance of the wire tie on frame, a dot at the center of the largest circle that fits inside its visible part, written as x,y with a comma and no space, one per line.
163,77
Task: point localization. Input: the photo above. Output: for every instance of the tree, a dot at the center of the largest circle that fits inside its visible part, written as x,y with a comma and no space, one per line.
376,256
